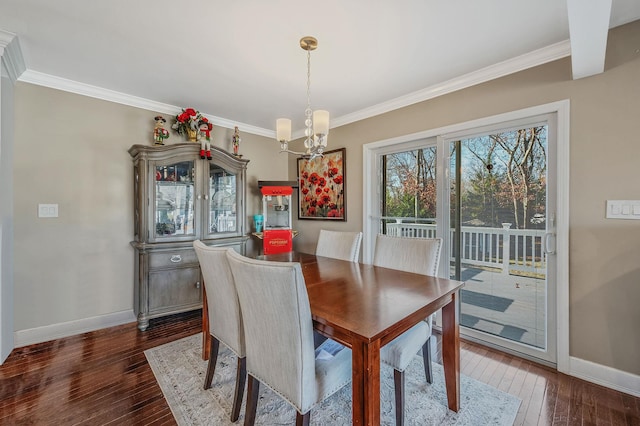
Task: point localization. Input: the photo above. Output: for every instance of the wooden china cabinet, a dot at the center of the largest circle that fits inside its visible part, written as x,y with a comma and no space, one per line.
179,198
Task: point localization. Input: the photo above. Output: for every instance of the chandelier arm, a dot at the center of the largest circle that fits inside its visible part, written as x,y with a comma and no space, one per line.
293,152
306,155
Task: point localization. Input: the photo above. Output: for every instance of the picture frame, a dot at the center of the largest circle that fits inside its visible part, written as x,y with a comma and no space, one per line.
321,187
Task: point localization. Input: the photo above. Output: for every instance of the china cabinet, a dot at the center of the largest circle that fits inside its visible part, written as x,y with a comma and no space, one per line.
179,198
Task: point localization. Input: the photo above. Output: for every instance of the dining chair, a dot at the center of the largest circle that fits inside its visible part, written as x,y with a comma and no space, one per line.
420,256
279,337
339,245
225,317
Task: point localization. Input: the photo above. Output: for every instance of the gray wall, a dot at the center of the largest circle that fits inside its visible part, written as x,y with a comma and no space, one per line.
72,150
605,157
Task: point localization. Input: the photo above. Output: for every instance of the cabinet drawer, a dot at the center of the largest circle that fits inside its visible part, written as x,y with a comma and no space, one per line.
172,259
174,288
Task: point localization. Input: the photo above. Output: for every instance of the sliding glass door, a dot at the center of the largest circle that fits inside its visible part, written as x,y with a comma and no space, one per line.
501,235
489,193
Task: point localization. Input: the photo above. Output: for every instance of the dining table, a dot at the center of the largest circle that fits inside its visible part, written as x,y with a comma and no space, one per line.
364,307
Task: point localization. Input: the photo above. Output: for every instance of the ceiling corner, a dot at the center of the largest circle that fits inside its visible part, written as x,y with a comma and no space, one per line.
11,54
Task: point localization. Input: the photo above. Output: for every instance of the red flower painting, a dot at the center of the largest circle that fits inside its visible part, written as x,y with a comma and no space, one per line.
322,182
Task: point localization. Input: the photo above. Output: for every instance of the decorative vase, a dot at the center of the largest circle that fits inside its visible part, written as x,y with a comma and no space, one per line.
191,134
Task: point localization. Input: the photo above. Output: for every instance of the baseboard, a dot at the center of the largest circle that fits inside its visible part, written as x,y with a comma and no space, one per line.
605,376
70,328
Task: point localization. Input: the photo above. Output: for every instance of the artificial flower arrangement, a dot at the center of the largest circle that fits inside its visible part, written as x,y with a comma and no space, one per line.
188,122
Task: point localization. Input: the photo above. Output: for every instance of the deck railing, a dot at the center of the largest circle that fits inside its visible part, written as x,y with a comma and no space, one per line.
511,250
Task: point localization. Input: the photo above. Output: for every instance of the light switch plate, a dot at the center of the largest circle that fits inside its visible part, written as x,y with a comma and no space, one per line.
623,209
47,210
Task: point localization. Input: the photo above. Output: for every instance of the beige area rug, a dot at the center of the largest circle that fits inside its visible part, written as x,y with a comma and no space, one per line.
180,371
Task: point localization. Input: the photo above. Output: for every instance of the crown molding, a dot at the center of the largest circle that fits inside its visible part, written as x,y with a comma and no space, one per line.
59,83
510,66
11,55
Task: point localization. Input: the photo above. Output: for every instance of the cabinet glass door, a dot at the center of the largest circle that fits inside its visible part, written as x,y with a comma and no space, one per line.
174,194
222,201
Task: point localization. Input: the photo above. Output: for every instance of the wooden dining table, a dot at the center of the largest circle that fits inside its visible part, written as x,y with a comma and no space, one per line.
364,307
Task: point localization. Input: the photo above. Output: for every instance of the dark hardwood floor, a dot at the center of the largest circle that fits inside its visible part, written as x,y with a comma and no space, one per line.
103,377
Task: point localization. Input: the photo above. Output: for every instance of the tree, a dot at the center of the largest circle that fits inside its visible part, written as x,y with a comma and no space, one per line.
505,177
525,164
411,183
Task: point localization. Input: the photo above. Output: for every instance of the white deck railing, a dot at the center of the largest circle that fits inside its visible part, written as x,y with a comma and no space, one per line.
484,246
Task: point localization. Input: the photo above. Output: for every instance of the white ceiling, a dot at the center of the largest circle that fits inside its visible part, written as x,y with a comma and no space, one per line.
239,62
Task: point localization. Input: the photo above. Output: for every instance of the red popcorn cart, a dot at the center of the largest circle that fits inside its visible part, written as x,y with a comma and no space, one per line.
277,235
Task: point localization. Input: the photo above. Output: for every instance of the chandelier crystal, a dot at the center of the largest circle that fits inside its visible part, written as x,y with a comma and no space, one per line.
316,122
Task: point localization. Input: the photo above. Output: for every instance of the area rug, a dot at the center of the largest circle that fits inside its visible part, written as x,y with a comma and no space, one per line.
180,371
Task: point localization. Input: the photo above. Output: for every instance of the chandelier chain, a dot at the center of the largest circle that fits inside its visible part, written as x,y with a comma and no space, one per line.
308,112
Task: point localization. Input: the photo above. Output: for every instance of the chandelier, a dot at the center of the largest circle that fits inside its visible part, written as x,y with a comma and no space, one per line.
316,122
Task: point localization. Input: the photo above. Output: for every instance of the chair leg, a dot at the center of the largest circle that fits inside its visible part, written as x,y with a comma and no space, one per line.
398,381
213,358
252,401
426,358
303,419
241,377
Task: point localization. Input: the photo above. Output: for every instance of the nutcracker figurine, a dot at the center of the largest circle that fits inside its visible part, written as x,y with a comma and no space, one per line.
159,132
236,142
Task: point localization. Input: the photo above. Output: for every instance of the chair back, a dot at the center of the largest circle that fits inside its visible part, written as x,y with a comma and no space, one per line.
416,255
278,327
339,245
225,317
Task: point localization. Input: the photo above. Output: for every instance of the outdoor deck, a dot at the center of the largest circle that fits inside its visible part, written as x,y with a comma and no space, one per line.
504,273
509,306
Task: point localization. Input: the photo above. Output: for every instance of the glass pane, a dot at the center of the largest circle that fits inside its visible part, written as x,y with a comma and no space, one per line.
278,213
501,210
409,202
222,206
174,200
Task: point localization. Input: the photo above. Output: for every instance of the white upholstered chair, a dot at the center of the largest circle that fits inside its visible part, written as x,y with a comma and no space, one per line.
416,255
225,318
279,337
339,245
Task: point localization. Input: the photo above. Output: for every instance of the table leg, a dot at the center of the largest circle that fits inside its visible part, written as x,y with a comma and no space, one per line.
451,351
206,336
366,383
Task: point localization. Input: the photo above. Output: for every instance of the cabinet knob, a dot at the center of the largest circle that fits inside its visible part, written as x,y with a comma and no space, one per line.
206,196
198,284
198,196
176,258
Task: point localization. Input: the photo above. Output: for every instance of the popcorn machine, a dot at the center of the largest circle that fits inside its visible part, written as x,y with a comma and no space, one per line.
277,235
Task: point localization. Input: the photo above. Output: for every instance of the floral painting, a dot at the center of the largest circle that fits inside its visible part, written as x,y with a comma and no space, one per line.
321,186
